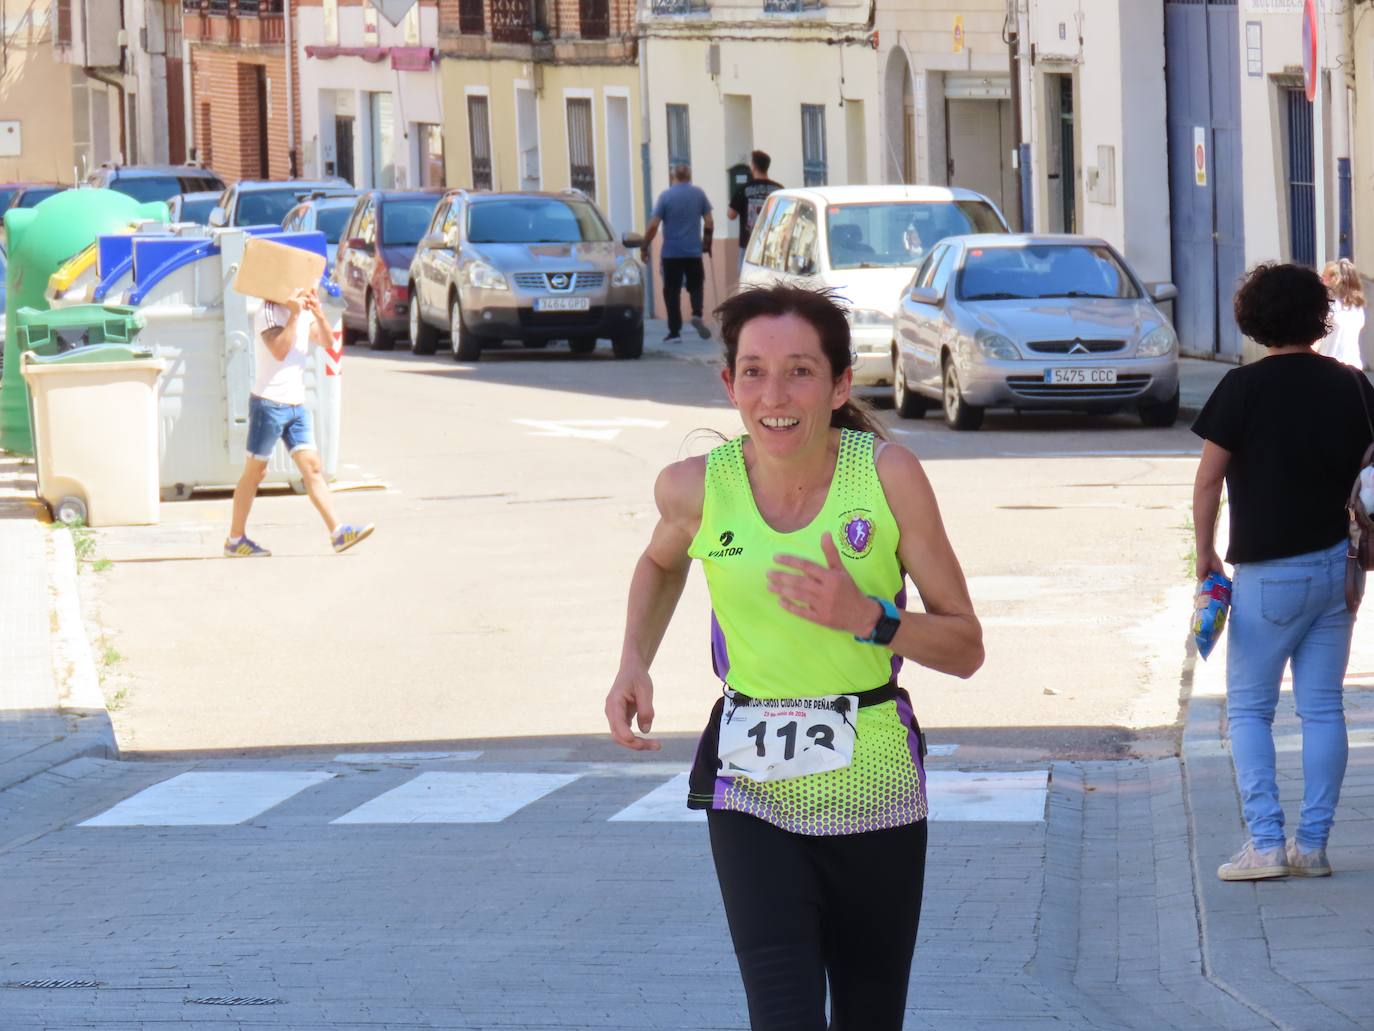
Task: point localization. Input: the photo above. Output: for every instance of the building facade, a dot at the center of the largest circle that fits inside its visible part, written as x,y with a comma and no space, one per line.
945,92
371,108
543,95
244,84
794,78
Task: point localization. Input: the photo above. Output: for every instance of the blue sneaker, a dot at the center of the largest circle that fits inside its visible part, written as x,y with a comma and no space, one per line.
245,549
348,535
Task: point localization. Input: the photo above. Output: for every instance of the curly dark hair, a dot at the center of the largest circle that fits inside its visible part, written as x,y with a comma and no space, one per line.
1283,306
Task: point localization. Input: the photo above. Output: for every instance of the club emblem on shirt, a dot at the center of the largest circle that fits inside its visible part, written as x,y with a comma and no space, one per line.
856,534
725,550
726,538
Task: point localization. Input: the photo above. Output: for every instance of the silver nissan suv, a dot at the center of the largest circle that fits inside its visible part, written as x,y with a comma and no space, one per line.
532,267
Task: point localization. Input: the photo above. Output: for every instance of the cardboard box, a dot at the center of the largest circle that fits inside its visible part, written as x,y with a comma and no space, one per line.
273,271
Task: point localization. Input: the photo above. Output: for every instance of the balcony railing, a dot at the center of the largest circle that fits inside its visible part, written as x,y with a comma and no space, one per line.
517,21
670,7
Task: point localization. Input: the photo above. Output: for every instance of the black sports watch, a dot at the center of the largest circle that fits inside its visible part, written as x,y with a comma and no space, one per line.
886,627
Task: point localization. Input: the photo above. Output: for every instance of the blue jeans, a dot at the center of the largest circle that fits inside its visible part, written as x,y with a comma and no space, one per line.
271,421
1289,609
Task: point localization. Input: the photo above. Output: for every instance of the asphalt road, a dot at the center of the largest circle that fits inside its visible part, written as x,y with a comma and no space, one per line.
512,499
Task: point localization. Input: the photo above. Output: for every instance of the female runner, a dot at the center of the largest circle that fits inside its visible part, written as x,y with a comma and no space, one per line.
810,767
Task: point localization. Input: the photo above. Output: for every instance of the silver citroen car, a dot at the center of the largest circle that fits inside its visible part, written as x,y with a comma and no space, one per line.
532,267
1032,322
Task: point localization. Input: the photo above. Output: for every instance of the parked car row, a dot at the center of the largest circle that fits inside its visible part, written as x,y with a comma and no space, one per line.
952,309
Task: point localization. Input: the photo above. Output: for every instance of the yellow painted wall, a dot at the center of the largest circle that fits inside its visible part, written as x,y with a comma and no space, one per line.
36,90
499,78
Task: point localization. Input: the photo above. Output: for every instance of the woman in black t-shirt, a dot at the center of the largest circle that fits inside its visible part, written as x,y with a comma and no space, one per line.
1286,434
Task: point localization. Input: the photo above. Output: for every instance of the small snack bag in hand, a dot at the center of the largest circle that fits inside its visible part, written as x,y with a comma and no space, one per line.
1210,606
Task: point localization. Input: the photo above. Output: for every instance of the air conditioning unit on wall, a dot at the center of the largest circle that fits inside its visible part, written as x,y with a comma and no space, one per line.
1056,27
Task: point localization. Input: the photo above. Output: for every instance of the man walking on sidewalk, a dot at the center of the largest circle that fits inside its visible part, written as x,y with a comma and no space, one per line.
276,411
748,200
685,214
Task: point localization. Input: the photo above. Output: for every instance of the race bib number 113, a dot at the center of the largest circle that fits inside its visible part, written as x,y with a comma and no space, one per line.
777,739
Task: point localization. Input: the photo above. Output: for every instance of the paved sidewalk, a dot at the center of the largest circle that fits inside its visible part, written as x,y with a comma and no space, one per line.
39,727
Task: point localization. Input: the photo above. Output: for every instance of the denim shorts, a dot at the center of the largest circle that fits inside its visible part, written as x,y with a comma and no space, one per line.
269,422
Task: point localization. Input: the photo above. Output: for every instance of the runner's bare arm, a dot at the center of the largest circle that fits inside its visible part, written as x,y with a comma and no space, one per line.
947,637
655,588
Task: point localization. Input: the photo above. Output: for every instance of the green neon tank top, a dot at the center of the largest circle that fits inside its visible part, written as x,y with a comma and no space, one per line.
758,647
762,650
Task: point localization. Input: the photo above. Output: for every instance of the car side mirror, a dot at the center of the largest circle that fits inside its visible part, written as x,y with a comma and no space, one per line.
435,240
218,217
1162,291
925,295
632,241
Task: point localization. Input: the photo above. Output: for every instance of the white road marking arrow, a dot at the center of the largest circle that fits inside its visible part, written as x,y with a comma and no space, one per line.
588,429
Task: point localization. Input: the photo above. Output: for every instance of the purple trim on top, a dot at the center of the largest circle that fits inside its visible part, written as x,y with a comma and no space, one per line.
722,785
900,602
913,743
720,653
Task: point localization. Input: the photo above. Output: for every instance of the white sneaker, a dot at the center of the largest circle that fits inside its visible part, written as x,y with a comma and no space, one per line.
1305,863
1254,864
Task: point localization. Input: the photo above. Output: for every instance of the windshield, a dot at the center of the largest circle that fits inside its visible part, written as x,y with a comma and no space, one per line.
902,232
38,193
148,187
535,220
404,221
261,207
198,210
1043,270
331,220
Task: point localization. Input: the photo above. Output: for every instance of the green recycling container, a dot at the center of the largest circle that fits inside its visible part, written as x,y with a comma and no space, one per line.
39,241
51,331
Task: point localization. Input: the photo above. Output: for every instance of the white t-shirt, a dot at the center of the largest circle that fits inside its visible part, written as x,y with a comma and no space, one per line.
1343,342
281,381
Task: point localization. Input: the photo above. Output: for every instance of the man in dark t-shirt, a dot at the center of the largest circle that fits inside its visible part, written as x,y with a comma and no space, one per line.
748,200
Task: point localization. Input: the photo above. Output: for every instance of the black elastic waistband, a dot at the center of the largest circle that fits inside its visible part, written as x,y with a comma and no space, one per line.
873,696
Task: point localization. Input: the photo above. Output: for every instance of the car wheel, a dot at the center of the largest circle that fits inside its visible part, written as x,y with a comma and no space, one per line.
377,337
1160,415
466,347
959,414
909,404
629,345
582,345
423,336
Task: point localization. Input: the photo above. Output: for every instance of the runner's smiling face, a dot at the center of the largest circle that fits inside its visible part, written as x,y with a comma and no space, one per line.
782,384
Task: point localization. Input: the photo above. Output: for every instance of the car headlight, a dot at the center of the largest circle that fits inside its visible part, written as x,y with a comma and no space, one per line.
627,274
399,276
869,317
1158,342
484,277
995,345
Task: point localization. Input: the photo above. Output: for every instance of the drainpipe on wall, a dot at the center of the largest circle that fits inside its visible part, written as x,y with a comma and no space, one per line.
290,96
1013,24
644,165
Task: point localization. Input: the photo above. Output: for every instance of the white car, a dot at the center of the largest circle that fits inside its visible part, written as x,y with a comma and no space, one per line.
864,242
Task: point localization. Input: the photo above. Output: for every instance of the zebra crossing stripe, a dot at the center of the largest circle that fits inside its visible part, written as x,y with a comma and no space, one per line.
955,796
207,799
458,798
667,803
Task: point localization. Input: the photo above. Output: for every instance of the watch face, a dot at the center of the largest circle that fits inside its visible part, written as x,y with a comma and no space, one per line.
886,629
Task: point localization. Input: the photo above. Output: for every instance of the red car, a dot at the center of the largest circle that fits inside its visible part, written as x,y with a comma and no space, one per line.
372,265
